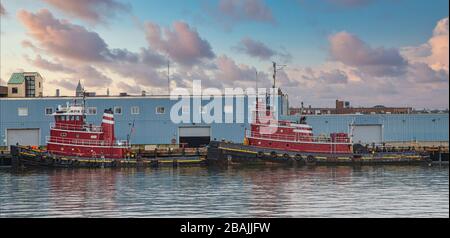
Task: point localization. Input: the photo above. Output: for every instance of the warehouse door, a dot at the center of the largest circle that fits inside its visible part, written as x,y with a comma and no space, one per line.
22,136
194,137
368,134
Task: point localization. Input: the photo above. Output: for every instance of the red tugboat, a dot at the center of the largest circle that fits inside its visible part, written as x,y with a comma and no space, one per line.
70,135
271,141
75,143
297,137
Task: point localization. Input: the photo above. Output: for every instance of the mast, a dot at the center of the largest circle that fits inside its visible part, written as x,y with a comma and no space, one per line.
274,74
83,111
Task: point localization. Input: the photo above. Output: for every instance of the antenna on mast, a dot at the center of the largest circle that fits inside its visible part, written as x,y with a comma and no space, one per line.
276,68
256,84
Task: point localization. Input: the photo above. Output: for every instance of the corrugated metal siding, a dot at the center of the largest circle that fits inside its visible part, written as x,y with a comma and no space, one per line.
152,128
396,127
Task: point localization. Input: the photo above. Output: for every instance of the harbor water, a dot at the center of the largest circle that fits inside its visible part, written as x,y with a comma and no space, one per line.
368,191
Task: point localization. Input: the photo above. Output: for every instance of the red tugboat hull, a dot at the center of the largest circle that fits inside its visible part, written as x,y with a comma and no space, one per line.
87,151
301,147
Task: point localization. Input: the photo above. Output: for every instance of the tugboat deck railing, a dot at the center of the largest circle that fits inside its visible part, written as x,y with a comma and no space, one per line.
298,138
86,128
81,142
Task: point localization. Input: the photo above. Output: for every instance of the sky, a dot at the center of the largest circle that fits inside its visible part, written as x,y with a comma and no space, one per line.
368,52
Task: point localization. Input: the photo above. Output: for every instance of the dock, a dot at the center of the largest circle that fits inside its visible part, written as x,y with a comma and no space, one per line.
231,153
23,157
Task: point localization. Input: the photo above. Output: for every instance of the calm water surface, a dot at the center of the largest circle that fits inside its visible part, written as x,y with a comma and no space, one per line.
385,191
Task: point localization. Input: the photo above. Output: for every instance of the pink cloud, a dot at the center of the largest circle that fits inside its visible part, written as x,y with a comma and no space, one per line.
435,51
2,10
91,10
255,49
62,38
352,51
183,44
48,65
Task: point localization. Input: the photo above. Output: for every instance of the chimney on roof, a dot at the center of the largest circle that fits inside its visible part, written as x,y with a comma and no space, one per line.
107,92
57,92
144,93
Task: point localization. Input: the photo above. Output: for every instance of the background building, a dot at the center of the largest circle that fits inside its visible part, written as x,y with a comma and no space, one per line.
3,91
25,84
344,107
27,120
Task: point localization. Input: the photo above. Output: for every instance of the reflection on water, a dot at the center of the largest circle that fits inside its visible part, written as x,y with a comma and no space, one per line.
384,191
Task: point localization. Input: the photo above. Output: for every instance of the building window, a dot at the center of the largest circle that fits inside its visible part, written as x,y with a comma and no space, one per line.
48,111
39,84
14,90
135,110
91,111
22,111
30,90
160,110
118,110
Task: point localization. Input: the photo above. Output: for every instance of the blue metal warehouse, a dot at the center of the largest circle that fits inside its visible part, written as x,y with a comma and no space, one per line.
27,120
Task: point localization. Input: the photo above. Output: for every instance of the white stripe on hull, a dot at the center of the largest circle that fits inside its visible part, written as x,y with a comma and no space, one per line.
108,122
108,115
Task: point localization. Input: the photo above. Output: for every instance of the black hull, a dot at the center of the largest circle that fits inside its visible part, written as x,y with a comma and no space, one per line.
23,157
231,153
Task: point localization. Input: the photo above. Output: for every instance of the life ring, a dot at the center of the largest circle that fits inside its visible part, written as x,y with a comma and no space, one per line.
298,157
286,156
311,159
260,154
273,154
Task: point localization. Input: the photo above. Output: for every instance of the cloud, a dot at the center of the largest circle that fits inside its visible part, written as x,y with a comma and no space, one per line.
352,51
334,77
231,12
259,50
423,73
93,11
50,66
89,76
439,46
183,44
82,49
435,51
229,71
59,37
2,10
255,49
68,84
92,77
125,87
240,10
